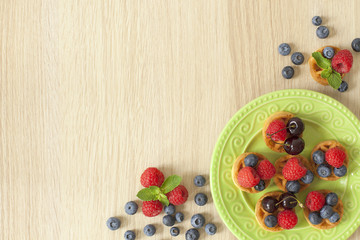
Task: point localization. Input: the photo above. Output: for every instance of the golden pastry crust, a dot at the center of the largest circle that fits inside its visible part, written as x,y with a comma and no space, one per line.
239,164
324,146
326,224
279,179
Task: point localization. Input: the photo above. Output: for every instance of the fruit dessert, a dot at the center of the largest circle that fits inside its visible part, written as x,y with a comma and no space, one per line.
330,160
282,132
323,209
252,172
274,211
293,173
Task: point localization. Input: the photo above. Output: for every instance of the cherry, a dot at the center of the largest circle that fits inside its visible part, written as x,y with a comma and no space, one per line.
288,200
269,204
294,145
295,126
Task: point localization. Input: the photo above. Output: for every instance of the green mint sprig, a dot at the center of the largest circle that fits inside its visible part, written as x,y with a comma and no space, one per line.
333,77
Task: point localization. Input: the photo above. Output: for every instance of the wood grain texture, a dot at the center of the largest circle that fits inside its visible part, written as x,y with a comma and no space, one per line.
93,92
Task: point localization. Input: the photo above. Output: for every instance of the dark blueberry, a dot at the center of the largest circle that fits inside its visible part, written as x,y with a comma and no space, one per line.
251,160
331,199
295,126
129,235
269,204
200,199
199,181
270,221
356,44
341,171
293,186
169,220
343,86
297,58
294,145
210,228
113,223
174,231
179,217
284,49
170,210
315,218
329,52
326,211
324,170
318,157
287,72
197,221
288,200
131,207
308,178
149,230
192,234
316,20
322,32
334,217
260,186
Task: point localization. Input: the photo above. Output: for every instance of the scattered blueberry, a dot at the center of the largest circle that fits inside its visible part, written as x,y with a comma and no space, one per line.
322,32
179,217
341,171
174,231
326,211
199,181
293,186
343,86
197,221
270,221
169,220
331,199
329,52
316,20
251,160
210,228
318,157
170,210
334,217
315,218
260,186
287,72
297,58
129,235
324,170
356,44
284,49
308,178
131,207
192,234
149,230
113,223
200,199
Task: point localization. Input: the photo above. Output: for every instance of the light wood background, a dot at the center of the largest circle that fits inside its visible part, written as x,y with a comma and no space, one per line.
94,92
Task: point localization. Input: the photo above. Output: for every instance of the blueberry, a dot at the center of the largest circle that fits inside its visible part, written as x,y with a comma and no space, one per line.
297,58
199,181
287,72
334,217
324,170
149,230
200,199
113,223
331,199
260,186
322,32
326,211
129,235
341,171
169,220
174,231
329,52
131,207
170,210
315,218
192,234
356,44
251,160
197,221
316,20
284,49
308,178
343,86
318,157
179,217
293,186
270,221
210,228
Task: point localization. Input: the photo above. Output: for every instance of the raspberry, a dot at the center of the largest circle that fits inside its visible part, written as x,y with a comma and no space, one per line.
275,126
293,169
342,61
315,201
335,157
287,219
152,177
151,208
248,177
265,170
178,195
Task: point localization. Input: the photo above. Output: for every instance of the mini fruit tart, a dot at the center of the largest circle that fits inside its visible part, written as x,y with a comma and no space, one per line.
324,209
252,172
293,173
330,160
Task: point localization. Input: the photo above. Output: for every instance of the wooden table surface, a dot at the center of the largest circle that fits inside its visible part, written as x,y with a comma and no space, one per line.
94,92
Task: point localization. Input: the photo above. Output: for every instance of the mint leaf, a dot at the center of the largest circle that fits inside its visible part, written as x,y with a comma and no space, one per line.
170,183
155,190
334,80
326,73
146,194
322,62
163,199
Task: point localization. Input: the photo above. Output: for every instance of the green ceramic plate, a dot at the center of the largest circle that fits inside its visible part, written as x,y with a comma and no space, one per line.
324,118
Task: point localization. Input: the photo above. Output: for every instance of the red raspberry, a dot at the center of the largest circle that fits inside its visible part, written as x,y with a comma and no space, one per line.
342,61
265,170
287,219
315,201
293,169
275,126
178,195
151,208
152,177
335,157
248,177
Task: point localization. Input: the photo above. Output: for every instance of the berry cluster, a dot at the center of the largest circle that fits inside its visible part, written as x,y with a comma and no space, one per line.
331,161
321,207
322,31
297,58
295,172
